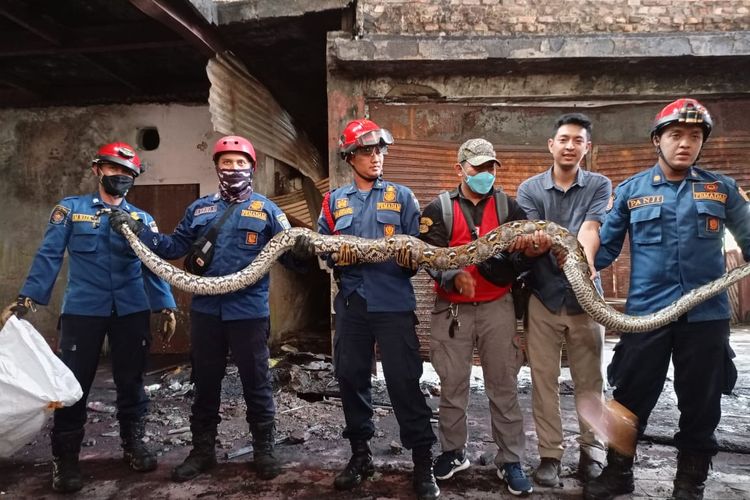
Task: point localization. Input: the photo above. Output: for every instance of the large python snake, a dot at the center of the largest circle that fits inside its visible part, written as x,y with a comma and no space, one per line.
366,250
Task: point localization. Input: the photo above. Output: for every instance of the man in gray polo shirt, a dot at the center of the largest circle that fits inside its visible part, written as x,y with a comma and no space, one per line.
576,199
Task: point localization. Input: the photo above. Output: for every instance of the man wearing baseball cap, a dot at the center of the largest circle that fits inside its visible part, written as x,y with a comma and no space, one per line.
473,307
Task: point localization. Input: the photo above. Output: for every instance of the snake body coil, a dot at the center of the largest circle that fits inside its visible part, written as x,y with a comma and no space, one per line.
366,250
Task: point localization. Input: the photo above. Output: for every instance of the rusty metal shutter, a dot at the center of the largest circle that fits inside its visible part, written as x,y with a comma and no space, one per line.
426,167
240,104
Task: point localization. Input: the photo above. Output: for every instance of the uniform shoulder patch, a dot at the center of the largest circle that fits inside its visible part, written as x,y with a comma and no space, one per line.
58,215
283,221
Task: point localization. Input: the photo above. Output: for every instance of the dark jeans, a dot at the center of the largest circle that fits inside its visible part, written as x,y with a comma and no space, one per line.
81,339
356,333
211,340
701,356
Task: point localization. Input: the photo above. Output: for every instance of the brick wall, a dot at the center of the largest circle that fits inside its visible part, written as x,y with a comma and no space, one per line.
550,17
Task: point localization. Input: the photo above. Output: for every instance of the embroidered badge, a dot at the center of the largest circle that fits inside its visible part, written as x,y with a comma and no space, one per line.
342,212
204,210
83,218
342,203
281,218
254,214
58,214
708,191
390,194
251,238
389,230
712,224
657,199
256,205
385,205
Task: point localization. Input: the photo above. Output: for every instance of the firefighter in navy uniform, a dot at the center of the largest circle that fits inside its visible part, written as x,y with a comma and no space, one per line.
238,322
474,307
675,215
109,293
376,303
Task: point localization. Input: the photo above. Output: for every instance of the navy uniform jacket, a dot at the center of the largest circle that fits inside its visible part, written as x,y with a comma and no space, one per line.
242,236
104,275
386,210
676,235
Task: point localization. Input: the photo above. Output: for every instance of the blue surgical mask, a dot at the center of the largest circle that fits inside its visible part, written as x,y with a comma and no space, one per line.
480,183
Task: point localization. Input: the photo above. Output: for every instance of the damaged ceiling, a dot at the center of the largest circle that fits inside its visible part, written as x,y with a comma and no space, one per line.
83,52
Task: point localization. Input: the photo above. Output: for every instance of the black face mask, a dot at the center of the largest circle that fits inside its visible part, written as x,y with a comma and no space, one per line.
116,185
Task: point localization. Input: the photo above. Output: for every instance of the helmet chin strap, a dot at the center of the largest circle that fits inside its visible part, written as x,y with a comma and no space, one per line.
660,154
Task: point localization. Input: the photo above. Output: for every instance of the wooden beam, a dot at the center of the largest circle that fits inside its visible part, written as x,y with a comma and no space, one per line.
32,21
91,40
186,22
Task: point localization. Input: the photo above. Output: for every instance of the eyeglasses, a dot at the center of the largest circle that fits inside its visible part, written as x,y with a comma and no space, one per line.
369,150
229,163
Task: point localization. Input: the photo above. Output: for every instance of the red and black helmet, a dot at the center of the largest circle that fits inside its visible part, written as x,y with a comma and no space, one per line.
362,133
684,110
234,144
120,153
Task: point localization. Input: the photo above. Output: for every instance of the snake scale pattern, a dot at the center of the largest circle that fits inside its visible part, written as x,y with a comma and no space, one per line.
428,256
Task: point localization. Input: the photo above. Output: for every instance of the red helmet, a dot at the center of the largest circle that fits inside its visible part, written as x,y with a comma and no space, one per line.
120,153
234,144
684,110
362,133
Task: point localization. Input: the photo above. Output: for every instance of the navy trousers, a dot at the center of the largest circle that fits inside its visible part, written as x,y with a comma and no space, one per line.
211,341
356,333
702,361
81,339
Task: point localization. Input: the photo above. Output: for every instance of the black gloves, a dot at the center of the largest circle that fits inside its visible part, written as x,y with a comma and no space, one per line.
303,248
20,307
119,218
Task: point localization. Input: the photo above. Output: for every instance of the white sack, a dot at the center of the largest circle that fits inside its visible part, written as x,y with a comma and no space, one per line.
33,382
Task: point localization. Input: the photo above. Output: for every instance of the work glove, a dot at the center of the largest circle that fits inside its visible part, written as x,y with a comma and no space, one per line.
345,256
303,248
20,307
119,218
166,325
404,258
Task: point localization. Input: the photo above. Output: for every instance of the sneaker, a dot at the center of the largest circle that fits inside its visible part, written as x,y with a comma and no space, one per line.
450,462
515,478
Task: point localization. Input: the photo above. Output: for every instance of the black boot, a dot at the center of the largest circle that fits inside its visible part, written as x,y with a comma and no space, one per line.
200,459
423,480
615,479
264,461
692,470
359,468
135,453
66,475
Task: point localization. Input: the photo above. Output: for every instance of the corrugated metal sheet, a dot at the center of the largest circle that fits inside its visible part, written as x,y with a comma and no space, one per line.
295,206
240,104
426,167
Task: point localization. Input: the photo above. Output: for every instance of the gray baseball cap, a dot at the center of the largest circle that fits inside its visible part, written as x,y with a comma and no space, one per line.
477,152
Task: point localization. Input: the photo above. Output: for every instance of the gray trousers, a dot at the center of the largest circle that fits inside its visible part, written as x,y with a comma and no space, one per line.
491,327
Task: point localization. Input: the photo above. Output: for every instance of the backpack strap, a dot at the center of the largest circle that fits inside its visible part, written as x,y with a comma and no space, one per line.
446,207
501,206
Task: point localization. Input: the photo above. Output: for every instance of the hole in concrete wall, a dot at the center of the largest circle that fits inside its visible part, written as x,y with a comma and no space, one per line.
148,138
